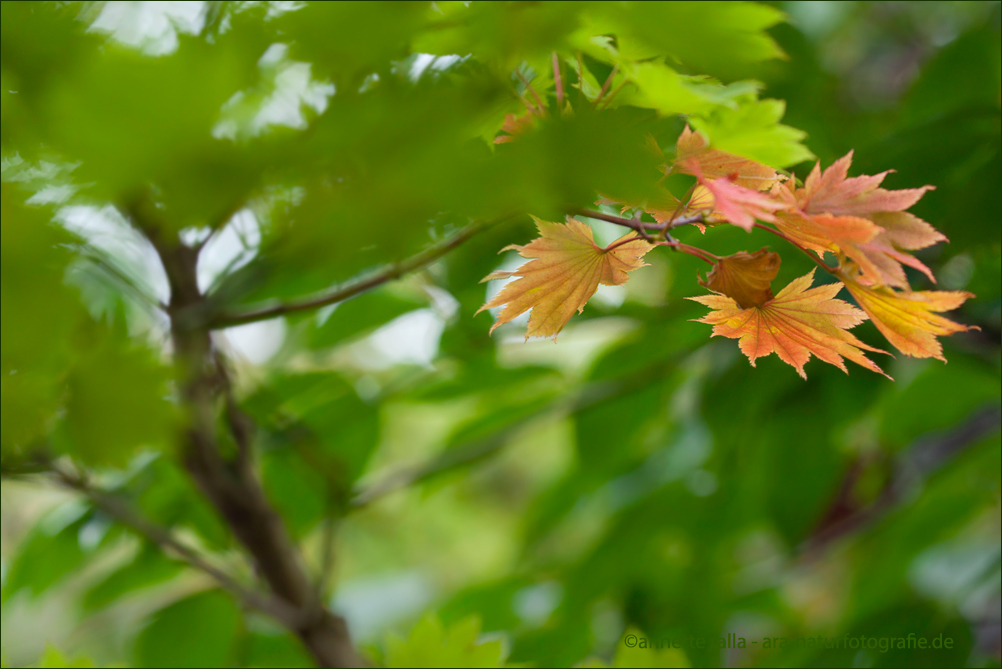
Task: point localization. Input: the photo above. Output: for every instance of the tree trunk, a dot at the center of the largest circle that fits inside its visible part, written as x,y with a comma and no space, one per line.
230,482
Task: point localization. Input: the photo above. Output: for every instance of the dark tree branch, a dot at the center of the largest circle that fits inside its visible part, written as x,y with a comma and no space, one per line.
352,288
925,456
121,512
231,483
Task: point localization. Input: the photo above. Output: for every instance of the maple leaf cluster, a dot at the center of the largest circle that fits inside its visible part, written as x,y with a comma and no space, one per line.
865,228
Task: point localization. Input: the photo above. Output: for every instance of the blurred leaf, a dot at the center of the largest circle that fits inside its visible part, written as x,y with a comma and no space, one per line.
50,552
360,315
753,131
959,76
53,657
116,402
274,648
35,354
356,38
635,656
431,644
199,631
682,30
148,568
501,33
335,435
941,396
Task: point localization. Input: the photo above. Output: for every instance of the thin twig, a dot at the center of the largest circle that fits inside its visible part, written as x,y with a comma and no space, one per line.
681,203
529,107
605,86
558,82
817,261
617,89
691,250
477,449
535,95
580,78
118,510
327,539
639,226
353,287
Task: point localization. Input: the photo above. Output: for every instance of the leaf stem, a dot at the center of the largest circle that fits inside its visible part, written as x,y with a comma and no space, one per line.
557,81
605,86
617,89
691,250
535,95
580,78
817,261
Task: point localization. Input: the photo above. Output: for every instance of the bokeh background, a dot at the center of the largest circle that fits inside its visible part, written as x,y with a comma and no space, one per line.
636,475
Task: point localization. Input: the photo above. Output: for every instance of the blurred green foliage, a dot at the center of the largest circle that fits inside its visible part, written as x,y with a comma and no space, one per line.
540,501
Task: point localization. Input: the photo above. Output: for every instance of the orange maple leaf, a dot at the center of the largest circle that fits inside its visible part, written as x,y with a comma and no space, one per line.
798,322
515,126
832,192
908,319
745,277
853,215
693,147
565,271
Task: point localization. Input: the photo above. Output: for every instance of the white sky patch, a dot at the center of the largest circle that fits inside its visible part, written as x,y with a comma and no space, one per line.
512,261
611,297
411,338
443,302
51,182
152,27
106,230
230,249
535,603
287,88
257,342
421,63
373,604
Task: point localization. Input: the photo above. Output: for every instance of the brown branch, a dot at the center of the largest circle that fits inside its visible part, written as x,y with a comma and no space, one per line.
639,226
352,288
927,455
231,484
118,510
